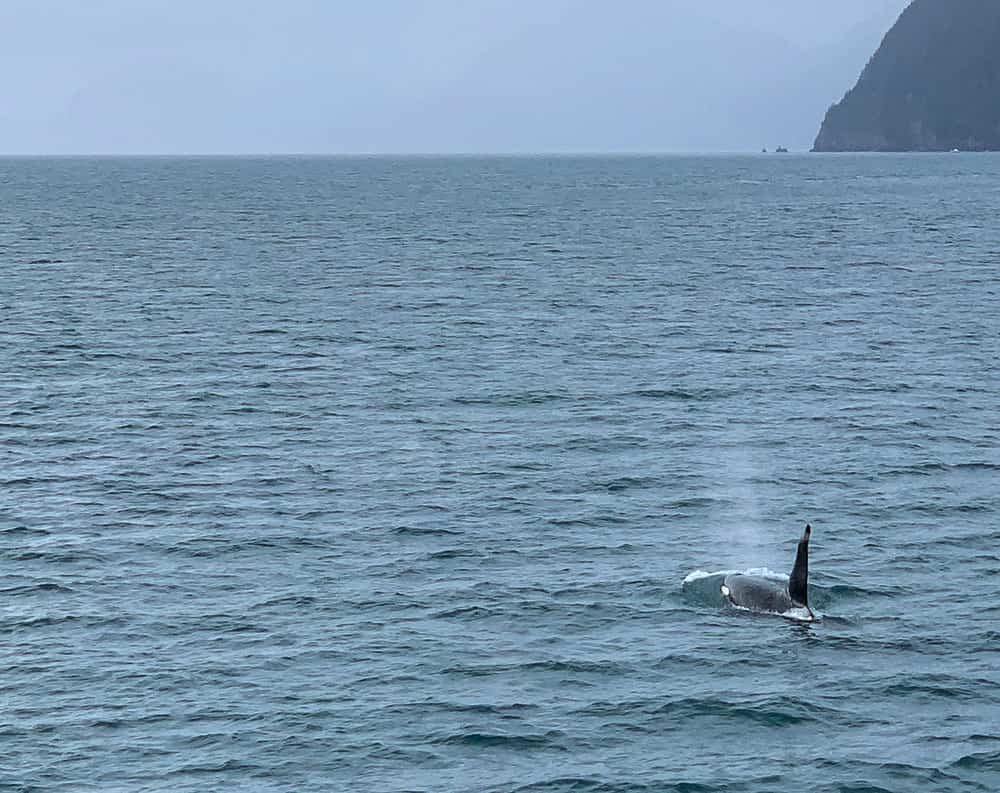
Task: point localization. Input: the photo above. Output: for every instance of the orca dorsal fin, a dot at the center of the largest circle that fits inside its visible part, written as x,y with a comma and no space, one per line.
798,581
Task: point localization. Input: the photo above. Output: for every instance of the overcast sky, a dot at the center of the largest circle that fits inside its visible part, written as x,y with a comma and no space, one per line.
370,76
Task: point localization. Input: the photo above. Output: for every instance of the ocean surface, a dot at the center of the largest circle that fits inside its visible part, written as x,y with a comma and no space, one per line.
392,474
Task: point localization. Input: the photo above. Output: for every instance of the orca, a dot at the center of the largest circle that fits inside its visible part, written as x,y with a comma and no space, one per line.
758,593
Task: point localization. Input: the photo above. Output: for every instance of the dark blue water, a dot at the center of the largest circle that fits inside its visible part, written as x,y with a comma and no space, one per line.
386,475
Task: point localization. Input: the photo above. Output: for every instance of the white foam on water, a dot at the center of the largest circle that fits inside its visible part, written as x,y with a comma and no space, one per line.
697,575
799,615
795,615
763,572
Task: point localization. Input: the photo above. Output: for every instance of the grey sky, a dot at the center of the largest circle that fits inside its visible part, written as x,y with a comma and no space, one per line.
236,76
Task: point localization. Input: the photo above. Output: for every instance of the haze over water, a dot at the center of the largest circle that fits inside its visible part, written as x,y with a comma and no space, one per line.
386,474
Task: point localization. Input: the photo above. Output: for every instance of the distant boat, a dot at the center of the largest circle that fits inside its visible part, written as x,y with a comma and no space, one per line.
764,150
956,151
781,150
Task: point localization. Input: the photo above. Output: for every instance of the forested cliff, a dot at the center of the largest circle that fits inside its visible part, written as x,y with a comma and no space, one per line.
933,84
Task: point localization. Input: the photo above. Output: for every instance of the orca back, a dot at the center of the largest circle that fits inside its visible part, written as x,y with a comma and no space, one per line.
757,593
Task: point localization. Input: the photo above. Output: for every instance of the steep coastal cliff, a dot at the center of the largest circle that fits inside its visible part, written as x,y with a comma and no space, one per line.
933,84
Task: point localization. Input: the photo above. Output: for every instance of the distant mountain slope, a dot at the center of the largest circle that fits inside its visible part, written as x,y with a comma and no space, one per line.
933,84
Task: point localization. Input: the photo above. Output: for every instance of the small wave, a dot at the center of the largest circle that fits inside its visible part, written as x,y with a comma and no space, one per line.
586,667
980,761
672,393
908,690
572,667
503,711
773,711
421,531
626,483
16,531
848,591
59,556
299,601
30,589
196,769
510,400
453,553
484,740
570,784
692,502
941,686
85,621
466,612
919,778
935,468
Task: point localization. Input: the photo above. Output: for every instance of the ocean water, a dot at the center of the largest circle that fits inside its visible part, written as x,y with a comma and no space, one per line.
387,474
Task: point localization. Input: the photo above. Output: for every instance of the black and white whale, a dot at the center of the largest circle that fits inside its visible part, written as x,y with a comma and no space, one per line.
759,593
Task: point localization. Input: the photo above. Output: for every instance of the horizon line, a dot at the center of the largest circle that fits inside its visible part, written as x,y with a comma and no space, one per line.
399,154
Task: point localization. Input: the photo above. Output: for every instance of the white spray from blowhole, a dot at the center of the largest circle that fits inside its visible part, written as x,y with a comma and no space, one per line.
746,539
